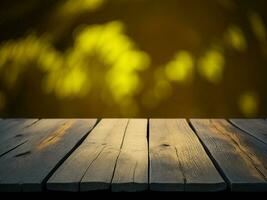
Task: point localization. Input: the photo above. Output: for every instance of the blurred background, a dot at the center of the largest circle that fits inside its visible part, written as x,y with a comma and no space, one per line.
133,58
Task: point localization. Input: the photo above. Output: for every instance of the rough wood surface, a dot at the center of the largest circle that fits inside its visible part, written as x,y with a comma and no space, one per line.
95,159
241,158
131,173
46,144
255,127
10,132
178,162
133,154
9,127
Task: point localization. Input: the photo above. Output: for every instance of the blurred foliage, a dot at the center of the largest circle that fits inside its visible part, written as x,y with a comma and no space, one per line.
146,58
102,48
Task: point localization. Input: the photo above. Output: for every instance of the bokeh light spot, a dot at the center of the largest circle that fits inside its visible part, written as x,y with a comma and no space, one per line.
70,7
248,104
258,26
180,69
211,65
235,38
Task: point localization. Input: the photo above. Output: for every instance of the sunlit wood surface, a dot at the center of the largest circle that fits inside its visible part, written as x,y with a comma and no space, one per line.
133,155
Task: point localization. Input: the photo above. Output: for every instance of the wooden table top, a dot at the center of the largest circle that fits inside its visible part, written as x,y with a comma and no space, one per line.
133,155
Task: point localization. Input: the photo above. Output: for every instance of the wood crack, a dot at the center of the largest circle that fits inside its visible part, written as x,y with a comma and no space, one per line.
116,162
32,123
13,148
246,131
22,154
97,156
178,159
135,167
181,167
243,150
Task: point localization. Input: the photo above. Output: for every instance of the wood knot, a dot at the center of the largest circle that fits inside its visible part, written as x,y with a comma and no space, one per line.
18,135
165,145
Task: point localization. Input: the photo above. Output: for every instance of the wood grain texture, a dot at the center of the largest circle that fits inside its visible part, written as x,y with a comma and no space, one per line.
92,165
8,127
255,127
10,132
47,143
131,173
122,155
240,157
178,162
18,137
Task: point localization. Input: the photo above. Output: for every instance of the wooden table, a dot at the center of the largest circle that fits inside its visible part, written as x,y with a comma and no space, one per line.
133,154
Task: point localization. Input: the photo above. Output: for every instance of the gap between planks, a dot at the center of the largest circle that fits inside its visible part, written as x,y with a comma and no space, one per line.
104,145
211,155
37,163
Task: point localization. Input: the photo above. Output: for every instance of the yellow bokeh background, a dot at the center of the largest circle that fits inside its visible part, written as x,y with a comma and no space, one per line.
84,58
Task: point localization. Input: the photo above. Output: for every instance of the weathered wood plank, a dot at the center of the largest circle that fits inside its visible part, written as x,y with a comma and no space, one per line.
10,136
47,143
131,173
8,127
241,158
14,139
255,127
178,162
165,173
92,165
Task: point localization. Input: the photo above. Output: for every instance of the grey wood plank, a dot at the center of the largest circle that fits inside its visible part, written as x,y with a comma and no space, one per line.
131,173
178,161
255,127
10,136
92,165
9,126
9,175
13,139
241,158
4,124
47,144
